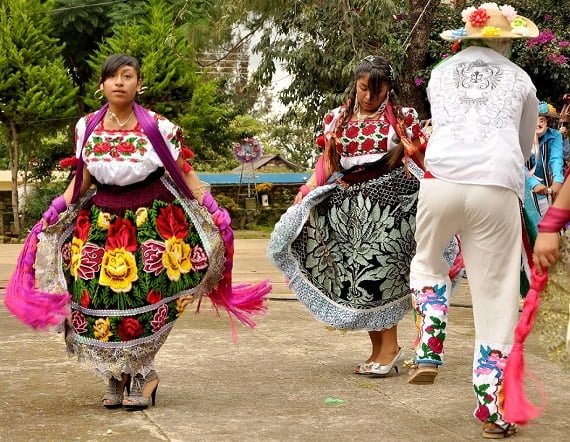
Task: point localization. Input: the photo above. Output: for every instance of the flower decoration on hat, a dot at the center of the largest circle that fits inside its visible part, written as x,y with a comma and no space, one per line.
547,110
490,31
492,21
479,17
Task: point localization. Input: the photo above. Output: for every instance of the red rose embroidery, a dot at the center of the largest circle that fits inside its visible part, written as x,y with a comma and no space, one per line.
482,413
385,129
152,256
91,258
153,297
82,225
122,234
408,120
352,147
384,144
351,132
368,145
171,221
126,148
159,319
78,322
102,148
198,258
129,328
369,130
435,344
328,118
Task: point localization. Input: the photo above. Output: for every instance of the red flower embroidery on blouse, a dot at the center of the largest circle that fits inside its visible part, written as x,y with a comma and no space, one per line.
369,130
384,144
409,120
368,145
328,118
351,132
126,147
352,147
102,148
385,129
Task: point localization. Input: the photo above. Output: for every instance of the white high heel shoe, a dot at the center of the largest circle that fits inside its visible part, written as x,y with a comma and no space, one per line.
377,370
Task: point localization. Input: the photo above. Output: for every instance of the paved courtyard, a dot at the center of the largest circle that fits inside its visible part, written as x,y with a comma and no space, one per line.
289,380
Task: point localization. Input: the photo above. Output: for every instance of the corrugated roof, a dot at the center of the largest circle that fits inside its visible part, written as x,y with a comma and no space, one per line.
229,179
264,159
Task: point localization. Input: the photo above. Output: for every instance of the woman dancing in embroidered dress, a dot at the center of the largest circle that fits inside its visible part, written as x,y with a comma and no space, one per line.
136,253
349,261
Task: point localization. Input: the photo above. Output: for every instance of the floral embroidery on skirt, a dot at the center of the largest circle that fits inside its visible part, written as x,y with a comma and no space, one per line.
350,261
132,262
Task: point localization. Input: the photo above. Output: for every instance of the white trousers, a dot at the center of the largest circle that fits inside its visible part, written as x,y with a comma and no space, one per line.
487,219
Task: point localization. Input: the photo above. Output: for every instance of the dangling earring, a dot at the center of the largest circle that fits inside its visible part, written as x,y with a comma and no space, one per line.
356,105
142,90
97,96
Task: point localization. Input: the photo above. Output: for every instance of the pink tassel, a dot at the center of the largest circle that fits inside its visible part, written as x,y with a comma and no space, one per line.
457,267
518,409
35,308
241,301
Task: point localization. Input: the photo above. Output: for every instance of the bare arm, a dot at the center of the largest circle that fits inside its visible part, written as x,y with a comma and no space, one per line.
192,181
312,181
547,244
85,185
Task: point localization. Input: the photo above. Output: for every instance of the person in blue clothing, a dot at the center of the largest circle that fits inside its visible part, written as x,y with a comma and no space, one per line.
545,167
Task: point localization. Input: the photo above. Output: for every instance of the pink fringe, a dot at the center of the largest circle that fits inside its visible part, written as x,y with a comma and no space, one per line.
35,308
241,301
518,409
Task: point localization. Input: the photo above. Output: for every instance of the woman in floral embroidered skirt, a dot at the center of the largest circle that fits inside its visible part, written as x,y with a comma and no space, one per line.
135,253
346,247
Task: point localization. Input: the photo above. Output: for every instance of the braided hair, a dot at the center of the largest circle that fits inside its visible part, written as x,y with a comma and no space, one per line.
379,72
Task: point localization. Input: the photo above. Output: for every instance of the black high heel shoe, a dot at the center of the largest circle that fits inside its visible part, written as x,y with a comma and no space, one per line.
115,391
143,392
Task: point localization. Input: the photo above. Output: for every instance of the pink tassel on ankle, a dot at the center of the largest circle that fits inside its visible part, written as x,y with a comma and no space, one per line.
518,409
33,307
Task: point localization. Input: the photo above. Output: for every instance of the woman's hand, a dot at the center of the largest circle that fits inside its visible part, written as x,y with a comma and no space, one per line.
555,189
540,189
546,250
298,198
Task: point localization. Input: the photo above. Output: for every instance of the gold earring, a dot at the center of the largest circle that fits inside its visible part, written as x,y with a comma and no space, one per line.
99,94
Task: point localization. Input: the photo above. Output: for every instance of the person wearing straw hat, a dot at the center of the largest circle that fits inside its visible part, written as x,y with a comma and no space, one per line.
484,111
546,163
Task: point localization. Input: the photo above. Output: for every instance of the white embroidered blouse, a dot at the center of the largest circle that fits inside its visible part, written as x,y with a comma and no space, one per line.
123,157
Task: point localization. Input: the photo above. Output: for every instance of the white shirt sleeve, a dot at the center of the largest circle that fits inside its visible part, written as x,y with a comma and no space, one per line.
529,118
80,127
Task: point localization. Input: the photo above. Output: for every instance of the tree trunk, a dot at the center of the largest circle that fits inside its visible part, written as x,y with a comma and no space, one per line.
14,150
417,52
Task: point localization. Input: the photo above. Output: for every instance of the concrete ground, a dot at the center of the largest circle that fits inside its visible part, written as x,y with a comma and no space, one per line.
289,380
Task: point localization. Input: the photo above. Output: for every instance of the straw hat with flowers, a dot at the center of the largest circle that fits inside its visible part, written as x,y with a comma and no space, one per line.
491,21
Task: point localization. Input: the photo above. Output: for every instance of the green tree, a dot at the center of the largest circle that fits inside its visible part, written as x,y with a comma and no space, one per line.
35,89
174,87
